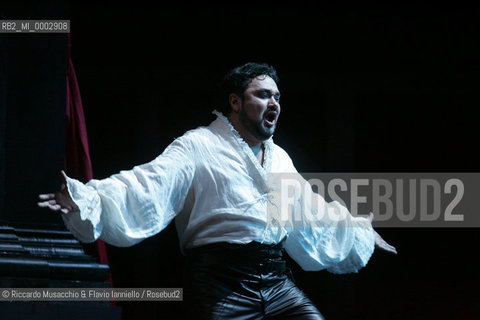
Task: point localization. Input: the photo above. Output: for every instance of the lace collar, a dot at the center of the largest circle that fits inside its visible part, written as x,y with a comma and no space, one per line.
268,144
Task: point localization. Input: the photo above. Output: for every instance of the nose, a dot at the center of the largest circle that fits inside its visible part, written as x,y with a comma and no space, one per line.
272,102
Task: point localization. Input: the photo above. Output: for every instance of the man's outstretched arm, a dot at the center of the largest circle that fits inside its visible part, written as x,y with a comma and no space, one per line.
338,242
131,205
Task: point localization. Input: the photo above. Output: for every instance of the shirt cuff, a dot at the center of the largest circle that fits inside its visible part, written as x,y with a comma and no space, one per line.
84,224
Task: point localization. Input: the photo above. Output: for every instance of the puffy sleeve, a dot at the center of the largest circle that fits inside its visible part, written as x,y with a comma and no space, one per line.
130,206
326,236
320,235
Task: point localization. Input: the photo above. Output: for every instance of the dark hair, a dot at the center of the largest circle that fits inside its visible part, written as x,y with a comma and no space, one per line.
237,80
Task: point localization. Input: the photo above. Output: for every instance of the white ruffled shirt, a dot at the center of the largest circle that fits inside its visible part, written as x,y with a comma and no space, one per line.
212,184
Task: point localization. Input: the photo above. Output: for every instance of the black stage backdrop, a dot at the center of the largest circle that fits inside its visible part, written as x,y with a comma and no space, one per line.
32,113
365,88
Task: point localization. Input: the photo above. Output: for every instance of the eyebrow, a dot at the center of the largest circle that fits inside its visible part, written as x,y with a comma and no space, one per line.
276,93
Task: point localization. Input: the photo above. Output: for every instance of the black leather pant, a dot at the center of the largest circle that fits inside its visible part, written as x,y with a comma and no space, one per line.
232,281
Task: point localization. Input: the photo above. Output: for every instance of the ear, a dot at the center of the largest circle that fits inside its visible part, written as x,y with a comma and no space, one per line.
235,102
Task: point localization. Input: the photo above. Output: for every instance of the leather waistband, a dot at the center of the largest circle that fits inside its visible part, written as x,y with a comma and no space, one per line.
254,255
252,248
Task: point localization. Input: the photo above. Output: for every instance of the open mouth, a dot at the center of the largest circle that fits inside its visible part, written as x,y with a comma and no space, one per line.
270,118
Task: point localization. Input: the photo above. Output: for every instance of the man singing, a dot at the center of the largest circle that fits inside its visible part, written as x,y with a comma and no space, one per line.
214,182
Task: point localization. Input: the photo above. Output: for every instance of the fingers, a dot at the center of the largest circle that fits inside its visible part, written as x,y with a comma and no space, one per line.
49,200
382,244
392,249
385,246
46,203
56,201
64,177
50,205
47,196
57,207
43,204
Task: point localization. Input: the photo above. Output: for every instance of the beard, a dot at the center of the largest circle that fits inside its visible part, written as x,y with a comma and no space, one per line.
256,128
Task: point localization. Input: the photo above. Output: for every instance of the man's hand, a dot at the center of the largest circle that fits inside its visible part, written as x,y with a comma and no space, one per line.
379,242
60,201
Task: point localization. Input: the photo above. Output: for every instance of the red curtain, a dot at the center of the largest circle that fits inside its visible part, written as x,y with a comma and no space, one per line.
77,157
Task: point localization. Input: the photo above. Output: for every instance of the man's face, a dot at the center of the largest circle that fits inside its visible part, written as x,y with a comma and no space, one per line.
260,108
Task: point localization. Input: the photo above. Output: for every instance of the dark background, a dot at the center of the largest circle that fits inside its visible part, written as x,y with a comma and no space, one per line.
365,87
